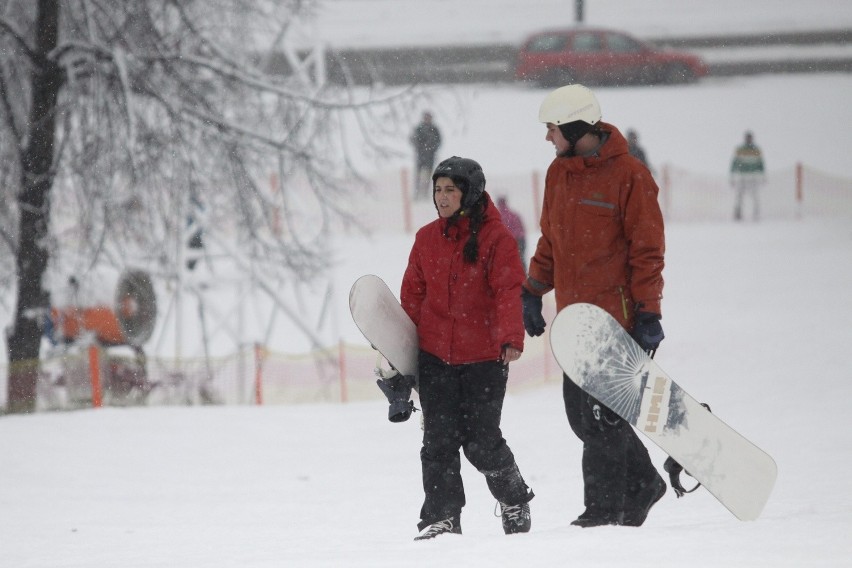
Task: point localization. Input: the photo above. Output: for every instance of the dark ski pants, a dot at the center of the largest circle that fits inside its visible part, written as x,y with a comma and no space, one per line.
615,462
462,406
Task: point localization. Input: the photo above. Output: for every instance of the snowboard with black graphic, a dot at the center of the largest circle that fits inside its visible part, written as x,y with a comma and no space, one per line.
600,356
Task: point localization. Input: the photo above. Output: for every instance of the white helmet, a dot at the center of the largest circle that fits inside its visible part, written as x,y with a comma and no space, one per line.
570,104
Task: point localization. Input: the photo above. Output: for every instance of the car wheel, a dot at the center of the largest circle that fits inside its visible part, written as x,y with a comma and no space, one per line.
557,78
678,74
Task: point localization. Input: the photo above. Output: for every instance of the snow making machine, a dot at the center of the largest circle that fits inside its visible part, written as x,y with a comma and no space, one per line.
97,355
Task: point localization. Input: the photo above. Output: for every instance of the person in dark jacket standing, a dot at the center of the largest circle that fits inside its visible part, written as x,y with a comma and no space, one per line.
601,242
426,139
462,288
636,150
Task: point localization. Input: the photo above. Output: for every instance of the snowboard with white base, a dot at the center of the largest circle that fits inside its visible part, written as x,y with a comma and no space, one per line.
381,319
600,356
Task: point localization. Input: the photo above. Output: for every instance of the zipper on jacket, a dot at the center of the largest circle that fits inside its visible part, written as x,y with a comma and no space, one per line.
623,303
595,203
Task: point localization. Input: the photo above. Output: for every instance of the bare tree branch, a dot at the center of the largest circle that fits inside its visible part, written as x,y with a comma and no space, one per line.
10,30
165,126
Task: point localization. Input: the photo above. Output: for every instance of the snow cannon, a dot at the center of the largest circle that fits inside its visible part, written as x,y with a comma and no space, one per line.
129,321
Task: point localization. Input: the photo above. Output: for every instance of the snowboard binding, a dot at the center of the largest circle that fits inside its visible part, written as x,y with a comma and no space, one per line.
673,469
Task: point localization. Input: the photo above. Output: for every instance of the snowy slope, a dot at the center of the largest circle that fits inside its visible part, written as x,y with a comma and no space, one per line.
760,332
756,318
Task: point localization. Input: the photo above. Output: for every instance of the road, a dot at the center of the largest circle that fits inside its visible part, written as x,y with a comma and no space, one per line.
731,55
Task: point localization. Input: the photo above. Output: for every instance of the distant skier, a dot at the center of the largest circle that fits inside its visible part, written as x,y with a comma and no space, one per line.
426,139
747,176
636,150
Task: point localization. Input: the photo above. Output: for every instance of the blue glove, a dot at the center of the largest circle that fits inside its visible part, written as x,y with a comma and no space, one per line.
533,320
647,331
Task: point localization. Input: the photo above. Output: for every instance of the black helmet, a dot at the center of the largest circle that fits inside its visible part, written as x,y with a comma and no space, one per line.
466,174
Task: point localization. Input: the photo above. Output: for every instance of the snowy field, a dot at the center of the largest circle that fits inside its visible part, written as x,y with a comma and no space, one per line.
756,318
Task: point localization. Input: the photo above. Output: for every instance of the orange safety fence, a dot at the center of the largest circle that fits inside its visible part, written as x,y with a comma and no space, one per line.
94,376
343,372
790,193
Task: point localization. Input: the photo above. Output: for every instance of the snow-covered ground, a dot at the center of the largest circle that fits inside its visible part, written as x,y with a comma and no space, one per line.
756,323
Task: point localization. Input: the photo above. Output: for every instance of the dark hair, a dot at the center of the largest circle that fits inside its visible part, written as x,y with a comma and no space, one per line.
573,131
476,214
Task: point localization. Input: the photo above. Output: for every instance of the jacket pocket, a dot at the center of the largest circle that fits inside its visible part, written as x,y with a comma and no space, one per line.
598,233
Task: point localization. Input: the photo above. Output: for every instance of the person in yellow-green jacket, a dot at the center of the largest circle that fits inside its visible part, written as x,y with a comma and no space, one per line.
747,176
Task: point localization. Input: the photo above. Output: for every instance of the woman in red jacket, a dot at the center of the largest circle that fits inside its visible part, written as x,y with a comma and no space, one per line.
462,288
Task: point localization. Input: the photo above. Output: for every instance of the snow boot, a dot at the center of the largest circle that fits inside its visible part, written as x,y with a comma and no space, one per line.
594,518
516,518
447,526
638,505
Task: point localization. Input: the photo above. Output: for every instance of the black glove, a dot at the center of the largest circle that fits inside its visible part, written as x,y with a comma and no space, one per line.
647,331
533,320
397,389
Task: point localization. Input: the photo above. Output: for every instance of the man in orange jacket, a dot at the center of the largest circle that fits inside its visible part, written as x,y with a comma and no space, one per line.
602,242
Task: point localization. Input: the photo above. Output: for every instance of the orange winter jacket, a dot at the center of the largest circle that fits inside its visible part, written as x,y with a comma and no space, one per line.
602,239
465,313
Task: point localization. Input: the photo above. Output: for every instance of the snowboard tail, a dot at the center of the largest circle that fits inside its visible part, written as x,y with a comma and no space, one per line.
383,322
381,319
597,353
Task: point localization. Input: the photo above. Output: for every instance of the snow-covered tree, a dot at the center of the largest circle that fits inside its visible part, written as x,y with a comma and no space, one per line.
125,122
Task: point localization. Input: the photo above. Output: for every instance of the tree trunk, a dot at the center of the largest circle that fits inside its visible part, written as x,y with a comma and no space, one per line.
24,339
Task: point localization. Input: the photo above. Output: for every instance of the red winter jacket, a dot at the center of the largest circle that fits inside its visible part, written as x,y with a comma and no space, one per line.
465,313
602,238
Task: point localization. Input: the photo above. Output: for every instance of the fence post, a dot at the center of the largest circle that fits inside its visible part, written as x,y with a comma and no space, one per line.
258,374
95,375
276,209
406,200
667,190
341,361
800,190
536,193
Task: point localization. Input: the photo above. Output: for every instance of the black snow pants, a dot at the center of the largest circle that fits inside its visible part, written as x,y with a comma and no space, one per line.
615,462
462,406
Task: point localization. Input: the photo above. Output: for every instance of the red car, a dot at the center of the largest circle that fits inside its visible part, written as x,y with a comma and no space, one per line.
601,57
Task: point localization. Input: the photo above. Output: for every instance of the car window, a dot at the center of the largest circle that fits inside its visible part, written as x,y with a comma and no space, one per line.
586,42
547,43
622,44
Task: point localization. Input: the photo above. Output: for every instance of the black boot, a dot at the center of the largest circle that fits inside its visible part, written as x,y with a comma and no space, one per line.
447,526
637,506
596,518
516,518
